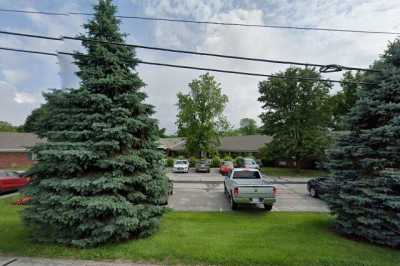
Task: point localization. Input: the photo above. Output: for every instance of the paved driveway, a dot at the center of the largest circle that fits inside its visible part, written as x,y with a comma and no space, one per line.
205,192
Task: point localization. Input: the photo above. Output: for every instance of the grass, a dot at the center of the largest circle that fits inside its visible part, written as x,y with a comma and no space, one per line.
227,238
291,172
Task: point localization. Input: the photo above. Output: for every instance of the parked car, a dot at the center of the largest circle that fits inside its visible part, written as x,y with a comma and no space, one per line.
225,167
317,186
246,186
11,181
203,166
249,163
181,166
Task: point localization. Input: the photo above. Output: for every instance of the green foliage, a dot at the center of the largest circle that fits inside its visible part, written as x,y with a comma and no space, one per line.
248,126
7,127
239,161
297,115
228,158
344,100
192,161
299,238
215,161
161,132
98,178
200,117
36,122
365,163
170,162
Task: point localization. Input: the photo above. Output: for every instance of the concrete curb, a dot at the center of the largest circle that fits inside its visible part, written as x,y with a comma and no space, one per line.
221,182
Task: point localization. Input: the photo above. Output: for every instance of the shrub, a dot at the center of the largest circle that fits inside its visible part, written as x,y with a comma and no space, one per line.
170,162
193,161
228,158
215,161
239,161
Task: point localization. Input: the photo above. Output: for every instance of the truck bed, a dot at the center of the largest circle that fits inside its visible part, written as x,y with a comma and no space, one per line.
254,188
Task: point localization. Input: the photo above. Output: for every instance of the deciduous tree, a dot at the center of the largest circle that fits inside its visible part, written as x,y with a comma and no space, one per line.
296,114
200,117
248,126
345,99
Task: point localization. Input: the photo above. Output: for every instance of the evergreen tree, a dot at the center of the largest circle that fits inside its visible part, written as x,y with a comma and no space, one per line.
99,177
365,189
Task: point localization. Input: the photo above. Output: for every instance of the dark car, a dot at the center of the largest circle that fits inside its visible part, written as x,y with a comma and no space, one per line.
203,166
317,187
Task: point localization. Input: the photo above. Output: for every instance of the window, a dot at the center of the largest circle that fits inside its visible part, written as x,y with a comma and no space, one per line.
246,175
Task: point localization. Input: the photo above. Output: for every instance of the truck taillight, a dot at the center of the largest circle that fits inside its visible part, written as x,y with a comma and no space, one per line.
274,191
236,191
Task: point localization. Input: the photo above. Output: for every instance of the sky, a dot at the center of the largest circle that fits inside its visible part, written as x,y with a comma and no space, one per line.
24,77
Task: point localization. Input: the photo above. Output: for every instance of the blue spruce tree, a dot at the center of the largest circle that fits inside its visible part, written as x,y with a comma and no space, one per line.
98,178
365,193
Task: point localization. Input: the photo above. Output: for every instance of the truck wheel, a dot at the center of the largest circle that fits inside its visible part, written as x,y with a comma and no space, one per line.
267,208
234,205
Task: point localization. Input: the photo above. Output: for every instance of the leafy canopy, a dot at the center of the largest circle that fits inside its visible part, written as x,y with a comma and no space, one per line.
200,115
248,126
296,114
342,102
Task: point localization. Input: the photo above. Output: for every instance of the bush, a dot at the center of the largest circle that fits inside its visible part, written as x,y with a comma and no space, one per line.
239,161
170,162
193,161
216,161
228,158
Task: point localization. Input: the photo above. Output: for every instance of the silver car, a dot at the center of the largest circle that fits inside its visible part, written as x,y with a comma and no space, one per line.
181,166
250,163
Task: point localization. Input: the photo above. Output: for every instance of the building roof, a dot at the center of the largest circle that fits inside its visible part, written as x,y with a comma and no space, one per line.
250,143
170,143
18,142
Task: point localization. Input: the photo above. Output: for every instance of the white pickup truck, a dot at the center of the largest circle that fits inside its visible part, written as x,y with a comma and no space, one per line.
246,186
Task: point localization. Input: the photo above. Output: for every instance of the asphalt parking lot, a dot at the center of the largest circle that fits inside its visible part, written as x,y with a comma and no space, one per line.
205,192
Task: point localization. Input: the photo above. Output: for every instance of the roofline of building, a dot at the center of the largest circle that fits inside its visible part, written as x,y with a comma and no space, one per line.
13,150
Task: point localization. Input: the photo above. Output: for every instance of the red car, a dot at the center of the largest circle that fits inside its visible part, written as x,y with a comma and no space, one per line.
225,167
10,181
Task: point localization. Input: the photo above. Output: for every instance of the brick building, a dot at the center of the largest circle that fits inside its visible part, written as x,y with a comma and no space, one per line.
14,149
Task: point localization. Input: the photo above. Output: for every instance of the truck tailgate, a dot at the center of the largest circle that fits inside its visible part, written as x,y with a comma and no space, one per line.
254,188
260,191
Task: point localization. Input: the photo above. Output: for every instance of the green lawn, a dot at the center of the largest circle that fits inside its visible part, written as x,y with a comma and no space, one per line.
290,172
227,238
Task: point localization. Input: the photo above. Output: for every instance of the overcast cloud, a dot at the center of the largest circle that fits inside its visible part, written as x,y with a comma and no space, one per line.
24,77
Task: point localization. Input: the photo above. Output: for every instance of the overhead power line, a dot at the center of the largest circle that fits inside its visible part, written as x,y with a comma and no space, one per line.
304,28
323,68
198,68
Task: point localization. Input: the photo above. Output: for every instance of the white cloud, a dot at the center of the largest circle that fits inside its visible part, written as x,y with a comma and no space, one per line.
15,76
23,97
15,105
307,46
163,83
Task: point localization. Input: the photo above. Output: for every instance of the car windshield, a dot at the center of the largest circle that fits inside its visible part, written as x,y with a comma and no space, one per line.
181,162
249,161
246,175
227,163
5,173
203,162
